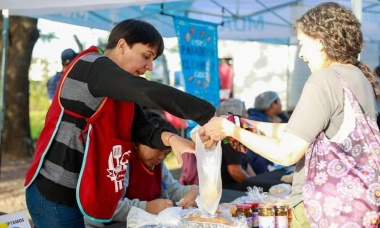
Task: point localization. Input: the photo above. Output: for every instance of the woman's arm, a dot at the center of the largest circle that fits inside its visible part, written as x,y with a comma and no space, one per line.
284,150
269,129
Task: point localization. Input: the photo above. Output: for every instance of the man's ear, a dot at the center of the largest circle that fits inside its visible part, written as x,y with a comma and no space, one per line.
121,45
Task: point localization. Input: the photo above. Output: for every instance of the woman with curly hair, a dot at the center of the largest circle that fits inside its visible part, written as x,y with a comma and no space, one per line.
332,133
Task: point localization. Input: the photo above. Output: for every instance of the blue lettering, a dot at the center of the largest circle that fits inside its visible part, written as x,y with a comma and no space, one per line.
244,24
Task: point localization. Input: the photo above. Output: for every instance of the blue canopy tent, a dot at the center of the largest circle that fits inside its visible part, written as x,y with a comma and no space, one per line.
253,20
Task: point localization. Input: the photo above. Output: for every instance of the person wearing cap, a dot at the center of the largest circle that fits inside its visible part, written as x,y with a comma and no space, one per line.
66,56
149,185
267,108
235,167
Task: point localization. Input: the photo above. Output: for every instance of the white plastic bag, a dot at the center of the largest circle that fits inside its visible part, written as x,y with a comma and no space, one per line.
210,180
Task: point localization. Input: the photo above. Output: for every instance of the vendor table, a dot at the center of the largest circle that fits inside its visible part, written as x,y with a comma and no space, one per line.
227,196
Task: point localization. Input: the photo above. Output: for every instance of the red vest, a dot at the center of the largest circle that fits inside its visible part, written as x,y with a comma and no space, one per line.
143,184
108,147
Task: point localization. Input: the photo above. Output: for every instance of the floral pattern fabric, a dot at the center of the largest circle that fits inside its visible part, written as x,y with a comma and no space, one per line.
342,186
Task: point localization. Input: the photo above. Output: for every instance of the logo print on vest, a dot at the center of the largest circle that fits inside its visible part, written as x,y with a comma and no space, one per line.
117,173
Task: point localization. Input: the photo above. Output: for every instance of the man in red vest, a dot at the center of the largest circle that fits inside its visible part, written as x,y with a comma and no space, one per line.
82,153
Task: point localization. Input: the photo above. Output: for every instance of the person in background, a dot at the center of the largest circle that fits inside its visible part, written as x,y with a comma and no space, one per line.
66,56
235,167
226,79
332,133
189,174
377,74
267,108
149,184
82,153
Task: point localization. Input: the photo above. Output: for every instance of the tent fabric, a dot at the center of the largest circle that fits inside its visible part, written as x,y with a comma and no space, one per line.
253,20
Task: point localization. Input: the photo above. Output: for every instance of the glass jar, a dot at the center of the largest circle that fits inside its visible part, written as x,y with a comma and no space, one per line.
281,215
245,209
266,216
255,213
290,215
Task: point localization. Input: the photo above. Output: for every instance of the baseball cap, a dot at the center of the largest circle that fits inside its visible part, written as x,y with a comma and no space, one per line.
264,100
68,55
231,105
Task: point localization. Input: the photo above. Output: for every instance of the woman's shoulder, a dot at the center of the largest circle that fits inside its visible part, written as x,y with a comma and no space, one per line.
329,76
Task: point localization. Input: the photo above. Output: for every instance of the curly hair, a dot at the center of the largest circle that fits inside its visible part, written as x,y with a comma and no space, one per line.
340,33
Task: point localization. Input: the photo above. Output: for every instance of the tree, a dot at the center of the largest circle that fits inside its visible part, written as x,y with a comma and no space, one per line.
23,34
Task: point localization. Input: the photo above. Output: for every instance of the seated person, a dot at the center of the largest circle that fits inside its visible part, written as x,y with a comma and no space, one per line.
377,74
144,182
267,108
189,174
235,168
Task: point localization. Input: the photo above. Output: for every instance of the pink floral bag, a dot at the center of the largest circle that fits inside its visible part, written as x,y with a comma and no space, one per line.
342,186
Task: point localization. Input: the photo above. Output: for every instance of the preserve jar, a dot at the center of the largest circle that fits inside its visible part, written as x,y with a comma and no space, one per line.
281,215
266,216
245,209
255,213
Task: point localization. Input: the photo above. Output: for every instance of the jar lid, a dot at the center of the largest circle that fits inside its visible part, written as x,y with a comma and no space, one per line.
280,205
252,203
268,206
243,206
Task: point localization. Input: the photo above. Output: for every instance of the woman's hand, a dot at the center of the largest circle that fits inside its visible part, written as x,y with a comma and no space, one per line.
158,205
217,129
189,199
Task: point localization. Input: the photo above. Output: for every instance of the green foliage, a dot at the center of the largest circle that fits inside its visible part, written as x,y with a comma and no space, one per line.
37,120
47,37
38,100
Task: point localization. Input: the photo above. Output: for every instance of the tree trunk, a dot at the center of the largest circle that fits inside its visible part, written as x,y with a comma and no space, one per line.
23,34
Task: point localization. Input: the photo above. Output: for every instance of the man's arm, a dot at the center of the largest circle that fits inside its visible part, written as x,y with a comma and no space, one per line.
237,172
250,170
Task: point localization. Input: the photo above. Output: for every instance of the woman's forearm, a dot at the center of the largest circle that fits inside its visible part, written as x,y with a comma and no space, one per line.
284,151
269,129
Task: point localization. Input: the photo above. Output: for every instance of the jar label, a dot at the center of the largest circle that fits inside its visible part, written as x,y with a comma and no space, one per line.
281,221
255,219
249,221
266,222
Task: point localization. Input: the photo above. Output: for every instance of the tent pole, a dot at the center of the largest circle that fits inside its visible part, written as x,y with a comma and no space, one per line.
356,6
5,14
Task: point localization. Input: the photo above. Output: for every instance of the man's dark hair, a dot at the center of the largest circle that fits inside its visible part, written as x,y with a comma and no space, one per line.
136,31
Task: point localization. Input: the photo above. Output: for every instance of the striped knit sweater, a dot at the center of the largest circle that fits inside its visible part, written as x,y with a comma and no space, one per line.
91,79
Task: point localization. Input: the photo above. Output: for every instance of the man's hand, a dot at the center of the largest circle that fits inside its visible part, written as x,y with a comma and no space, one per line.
189,199
158,205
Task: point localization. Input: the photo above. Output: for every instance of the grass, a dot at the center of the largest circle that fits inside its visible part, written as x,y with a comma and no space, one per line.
37,120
